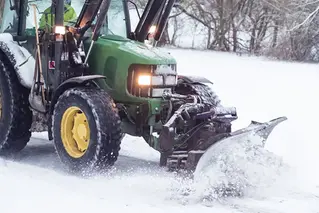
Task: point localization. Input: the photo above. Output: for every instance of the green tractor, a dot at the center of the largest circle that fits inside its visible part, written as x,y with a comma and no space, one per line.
89,79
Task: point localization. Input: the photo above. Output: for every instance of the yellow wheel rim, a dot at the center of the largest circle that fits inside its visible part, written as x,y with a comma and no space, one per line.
75,132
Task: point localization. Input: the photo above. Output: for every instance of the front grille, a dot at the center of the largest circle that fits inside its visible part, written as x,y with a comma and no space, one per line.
160,73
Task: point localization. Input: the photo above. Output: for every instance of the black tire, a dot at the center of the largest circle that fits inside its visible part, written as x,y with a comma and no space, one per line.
16,116
104,126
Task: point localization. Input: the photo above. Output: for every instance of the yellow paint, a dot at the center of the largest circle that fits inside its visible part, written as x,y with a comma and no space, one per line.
75,132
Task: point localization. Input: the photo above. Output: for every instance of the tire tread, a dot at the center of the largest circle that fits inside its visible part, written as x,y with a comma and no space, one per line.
108,123
19,132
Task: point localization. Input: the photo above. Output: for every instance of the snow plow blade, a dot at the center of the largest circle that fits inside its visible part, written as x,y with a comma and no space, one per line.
192,158
261,129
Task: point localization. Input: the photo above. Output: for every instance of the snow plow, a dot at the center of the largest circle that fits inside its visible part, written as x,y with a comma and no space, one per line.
87,78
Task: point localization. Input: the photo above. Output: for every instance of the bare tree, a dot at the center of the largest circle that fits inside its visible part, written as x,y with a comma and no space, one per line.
298,35
284,29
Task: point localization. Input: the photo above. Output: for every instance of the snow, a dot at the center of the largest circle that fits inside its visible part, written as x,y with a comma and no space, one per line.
25,62
284,178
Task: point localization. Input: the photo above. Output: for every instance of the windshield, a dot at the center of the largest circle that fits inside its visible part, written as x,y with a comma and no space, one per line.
44,7
114,22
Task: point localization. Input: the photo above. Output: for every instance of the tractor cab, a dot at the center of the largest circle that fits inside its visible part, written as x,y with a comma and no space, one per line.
17,17
21,23
75,13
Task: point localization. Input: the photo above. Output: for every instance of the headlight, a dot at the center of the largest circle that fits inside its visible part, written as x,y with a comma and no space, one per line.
152,29
150,80
144,80
60,30
157,80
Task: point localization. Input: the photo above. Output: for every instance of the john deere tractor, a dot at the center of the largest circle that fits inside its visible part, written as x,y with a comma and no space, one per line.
84,74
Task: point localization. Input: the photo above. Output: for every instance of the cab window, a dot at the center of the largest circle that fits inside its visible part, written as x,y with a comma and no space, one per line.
42,6
115,21
44,13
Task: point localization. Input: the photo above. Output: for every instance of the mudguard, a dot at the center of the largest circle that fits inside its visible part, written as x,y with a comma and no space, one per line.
73,82
20,58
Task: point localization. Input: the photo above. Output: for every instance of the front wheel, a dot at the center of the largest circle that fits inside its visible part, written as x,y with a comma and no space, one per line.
86,129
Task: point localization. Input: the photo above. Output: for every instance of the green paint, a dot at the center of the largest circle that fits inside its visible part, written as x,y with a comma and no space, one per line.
112,56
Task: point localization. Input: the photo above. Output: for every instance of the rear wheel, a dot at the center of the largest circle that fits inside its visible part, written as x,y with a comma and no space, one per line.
86,129
15,115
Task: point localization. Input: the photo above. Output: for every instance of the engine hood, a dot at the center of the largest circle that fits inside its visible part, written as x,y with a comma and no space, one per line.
137,51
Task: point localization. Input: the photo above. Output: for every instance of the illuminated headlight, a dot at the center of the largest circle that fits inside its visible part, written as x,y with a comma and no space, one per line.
152,29
151,80
60,30
144,80
148,80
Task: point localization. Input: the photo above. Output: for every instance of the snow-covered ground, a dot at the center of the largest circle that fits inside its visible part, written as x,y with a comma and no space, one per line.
260,89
